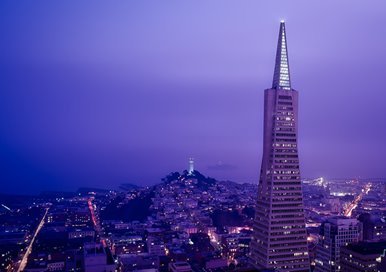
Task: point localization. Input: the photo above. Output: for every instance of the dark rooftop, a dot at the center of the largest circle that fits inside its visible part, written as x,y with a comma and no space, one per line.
368,248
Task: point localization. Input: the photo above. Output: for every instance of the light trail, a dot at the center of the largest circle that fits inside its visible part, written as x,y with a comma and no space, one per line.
97,227
91,208
357,199
24,260
5,207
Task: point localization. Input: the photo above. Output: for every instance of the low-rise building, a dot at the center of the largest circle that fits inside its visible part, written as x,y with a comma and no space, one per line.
180,267
363,257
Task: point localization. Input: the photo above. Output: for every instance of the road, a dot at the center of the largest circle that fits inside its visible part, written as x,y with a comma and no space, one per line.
95,221
92,212
24,260
358,198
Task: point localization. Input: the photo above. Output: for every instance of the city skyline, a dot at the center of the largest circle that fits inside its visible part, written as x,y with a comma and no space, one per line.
85,113
192,136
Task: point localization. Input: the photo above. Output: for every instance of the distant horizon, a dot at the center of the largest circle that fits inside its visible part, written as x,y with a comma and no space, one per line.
160,181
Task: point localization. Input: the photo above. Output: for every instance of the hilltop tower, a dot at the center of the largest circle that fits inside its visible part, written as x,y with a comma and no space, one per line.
280,238
191,166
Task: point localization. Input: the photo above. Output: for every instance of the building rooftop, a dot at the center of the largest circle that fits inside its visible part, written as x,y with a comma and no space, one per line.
368,248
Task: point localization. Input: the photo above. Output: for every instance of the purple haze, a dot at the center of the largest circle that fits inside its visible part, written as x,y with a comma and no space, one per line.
97,94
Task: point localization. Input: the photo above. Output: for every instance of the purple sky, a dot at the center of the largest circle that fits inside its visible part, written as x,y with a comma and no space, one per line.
97,94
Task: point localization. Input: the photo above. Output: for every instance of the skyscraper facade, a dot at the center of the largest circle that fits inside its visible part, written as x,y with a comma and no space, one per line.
280,238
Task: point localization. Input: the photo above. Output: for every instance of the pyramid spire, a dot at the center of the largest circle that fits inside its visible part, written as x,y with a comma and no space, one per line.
281,76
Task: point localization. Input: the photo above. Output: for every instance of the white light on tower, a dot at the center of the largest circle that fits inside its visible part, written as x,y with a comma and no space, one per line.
191,165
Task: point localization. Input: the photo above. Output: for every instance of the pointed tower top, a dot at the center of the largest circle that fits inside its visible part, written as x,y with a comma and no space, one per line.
281,76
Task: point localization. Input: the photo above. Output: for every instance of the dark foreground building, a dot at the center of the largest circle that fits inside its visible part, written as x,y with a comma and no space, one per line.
280,239
363,257
336,232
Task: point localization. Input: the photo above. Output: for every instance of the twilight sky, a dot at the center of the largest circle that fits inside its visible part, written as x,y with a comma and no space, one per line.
96,93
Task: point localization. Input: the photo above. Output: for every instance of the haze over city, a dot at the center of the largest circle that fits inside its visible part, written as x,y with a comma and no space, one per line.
96,94
187,136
